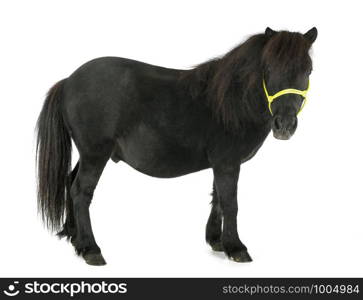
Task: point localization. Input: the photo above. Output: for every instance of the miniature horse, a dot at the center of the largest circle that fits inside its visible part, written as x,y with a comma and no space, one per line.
167,123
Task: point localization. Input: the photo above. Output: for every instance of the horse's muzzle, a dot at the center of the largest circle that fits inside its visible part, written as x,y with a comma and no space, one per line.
284,127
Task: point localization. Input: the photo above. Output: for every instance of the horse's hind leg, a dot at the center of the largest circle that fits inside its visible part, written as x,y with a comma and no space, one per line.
214,224
90,170
69,227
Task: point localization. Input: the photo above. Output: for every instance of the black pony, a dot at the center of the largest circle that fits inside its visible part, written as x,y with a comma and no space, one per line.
167,123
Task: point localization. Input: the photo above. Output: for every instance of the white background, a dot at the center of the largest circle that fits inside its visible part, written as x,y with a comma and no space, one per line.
300,201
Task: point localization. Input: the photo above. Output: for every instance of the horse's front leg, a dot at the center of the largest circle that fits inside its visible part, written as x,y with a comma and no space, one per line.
226,179
214,225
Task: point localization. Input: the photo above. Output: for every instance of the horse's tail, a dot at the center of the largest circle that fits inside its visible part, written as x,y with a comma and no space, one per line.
54,149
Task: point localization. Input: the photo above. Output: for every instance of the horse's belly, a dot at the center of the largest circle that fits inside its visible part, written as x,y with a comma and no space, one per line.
151,153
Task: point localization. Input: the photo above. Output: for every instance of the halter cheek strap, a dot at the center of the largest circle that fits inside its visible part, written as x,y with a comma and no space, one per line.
271,98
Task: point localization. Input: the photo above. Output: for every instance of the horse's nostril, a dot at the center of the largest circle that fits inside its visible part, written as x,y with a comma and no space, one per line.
294,122
278,123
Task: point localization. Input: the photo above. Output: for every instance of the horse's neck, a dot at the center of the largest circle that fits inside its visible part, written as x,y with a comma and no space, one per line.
254,102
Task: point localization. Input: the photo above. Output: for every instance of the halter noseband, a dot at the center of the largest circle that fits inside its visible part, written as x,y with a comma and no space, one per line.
270,99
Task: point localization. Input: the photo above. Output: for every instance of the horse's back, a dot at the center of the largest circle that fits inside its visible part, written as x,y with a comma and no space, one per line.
110,94
113,80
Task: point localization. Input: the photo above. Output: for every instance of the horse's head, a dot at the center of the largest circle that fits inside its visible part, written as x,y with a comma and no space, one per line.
286,69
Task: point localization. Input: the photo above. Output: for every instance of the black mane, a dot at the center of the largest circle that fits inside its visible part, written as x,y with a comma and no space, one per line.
232,84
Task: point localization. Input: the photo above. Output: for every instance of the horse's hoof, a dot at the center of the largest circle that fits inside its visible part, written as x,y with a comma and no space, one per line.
217,247
94,259
240,256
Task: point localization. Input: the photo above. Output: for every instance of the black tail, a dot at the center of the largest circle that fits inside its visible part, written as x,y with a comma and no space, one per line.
54,149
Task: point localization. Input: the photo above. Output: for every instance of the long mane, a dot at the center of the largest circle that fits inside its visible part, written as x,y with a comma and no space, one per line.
232,84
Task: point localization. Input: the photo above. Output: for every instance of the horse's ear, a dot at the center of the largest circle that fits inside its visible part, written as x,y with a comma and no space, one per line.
311,35
269,32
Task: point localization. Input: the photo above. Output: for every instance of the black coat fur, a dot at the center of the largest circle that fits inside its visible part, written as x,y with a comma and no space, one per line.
164,123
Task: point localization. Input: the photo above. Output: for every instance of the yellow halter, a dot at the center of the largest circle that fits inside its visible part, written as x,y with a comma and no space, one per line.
270,99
